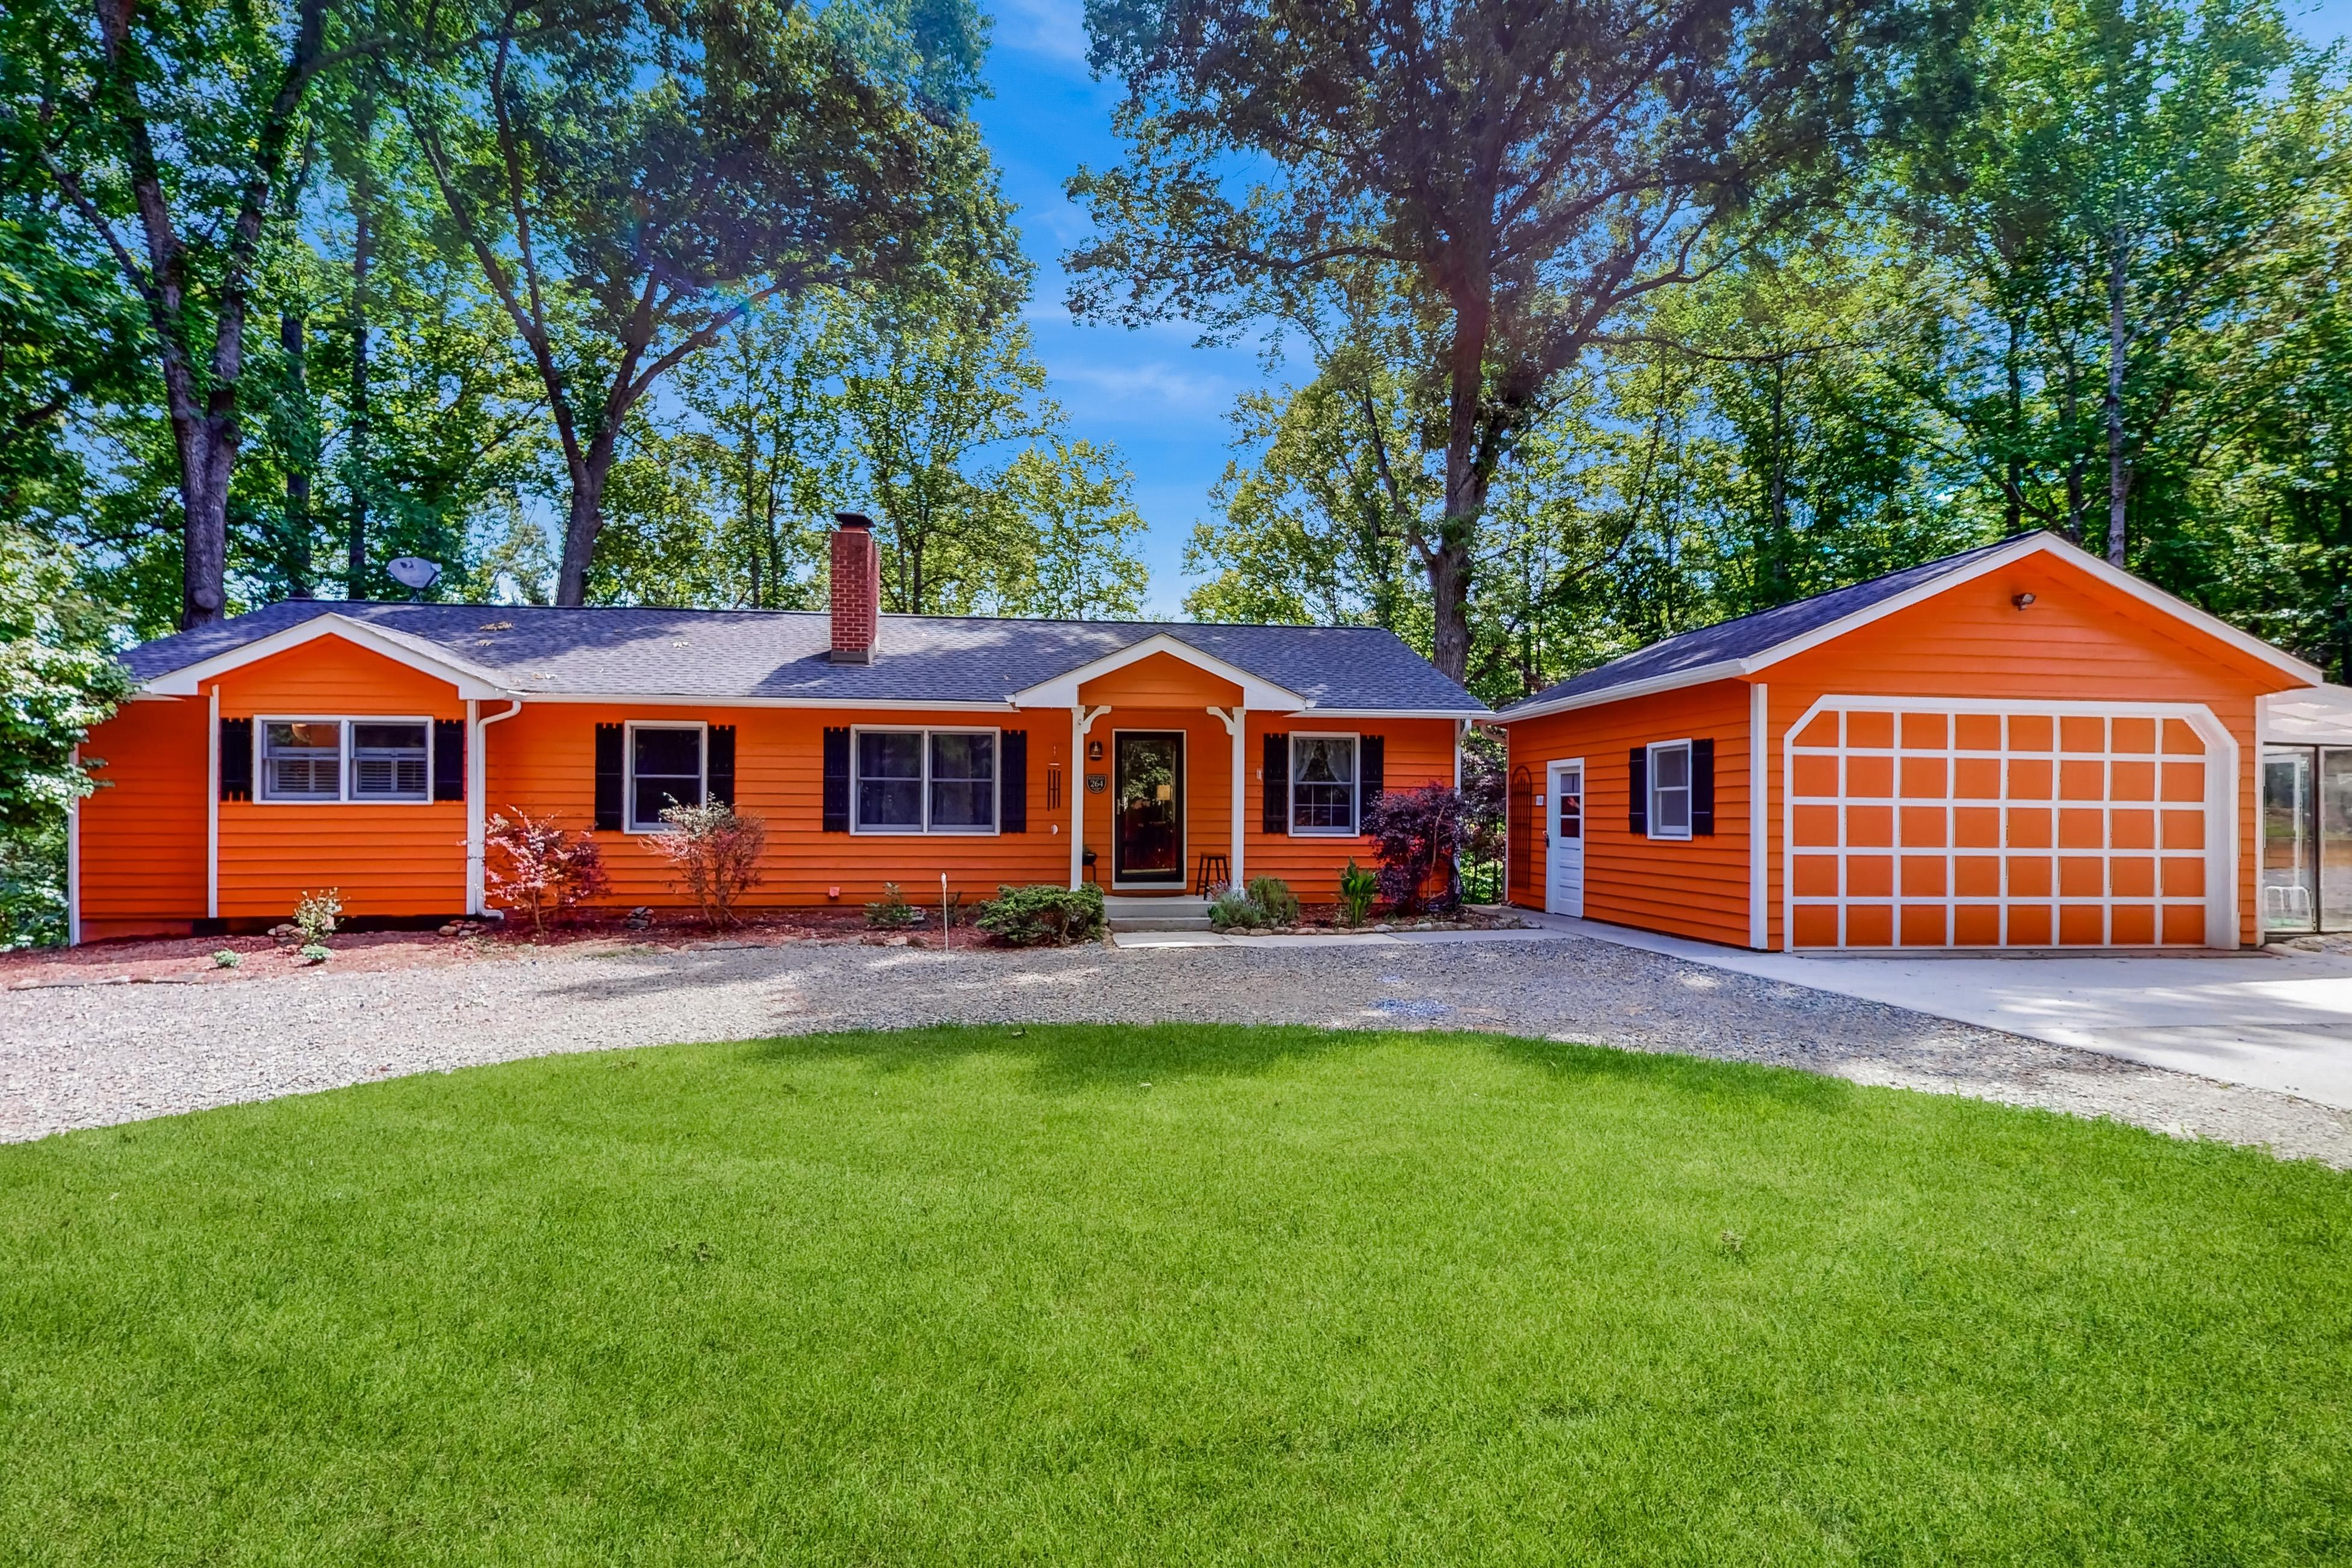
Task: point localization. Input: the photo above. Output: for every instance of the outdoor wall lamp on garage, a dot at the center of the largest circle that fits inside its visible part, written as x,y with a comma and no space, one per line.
2023,600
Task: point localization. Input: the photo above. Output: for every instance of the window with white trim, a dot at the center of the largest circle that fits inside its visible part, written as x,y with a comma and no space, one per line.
388,760
667,767
1324,784
1670,789
923,781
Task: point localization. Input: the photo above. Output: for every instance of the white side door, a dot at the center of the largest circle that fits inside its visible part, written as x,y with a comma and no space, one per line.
1564,833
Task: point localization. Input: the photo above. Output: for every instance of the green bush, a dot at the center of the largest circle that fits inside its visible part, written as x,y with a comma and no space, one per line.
1042,913
1232,910
316,916
1273,895
893,912
1357,887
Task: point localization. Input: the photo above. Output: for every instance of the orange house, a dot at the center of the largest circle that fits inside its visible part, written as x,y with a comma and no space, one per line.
364,746
2018,746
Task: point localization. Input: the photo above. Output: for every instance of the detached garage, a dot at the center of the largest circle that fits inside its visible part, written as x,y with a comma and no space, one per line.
2015,747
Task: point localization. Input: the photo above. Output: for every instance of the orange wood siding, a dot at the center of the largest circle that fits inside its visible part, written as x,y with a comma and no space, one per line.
1695,887
383,859
142,834
543,762
1417,751
2079,641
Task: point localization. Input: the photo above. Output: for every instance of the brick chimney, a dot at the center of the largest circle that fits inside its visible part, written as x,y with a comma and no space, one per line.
856,589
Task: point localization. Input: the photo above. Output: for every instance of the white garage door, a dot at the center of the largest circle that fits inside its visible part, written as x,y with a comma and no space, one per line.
1934,824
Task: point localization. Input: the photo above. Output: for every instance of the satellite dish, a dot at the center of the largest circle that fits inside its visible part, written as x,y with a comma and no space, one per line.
413,572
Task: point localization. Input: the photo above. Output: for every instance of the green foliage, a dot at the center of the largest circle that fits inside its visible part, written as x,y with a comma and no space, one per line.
33,885
1357,889
1043,915
1307,1271
892,911
1231,909
1273,895
314,953
58,680
316,915
227,958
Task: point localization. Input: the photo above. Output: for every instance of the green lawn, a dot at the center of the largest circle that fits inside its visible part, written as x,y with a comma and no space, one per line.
1161,1296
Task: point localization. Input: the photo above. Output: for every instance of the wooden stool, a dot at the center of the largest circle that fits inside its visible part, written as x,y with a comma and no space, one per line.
1215,872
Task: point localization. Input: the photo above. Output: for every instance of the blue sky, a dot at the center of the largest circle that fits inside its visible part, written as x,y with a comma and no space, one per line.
1151,393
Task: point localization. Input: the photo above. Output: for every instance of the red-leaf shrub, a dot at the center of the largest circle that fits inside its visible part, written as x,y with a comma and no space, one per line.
715,851
538,864
1419,832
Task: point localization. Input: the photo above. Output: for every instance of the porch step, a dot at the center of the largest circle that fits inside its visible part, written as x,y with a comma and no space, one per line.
1156,914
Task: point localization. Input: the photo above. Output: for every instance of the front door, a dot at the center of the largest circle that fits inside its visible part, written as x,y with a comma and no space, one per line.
1564,822
1147,795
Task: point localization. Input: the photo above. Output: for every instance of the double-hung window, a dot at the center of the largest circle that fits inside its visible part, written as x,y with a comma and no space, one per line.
1670,789
667,768
346,760
1323,784
924,780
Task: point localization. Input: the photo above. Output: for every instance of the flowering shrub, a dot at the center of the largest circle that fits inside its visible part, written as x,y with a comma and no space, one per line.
714,851
1419,833
316,915
538,864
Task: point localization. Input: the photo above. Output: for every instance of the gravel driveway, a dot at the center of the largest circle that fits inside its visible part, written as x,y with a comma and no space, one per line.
91,1056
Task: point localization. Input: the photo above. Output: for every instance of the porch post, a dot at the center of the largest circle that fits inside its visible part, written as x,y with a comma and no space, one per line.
212,803
1236,723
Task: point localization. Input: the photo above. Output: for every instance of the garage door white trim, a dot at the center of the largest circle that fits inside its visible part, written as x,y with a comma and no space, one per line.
2219,851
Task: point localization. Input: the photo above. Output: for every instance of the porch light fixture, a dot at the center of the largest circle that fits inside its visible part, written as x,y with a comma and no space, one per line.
2023,600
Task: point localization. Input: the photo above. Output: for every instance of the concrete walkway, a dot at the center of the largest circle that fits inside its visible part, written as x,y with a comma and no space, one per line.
2270,1019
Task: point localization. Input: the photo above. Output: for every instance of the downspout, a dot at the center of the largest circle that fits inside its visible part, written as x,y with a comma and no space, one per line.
1759,821
478,810
211,805
73,859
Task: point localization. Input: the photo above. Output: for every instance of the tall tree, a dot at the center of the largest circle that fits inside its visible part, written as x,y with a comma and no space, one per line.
173,134
632,184
1523,170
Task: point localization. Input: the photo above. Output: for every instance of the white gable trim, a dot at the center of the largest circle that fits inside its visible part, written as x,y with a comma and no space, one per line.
1062,692
472,681
1992,561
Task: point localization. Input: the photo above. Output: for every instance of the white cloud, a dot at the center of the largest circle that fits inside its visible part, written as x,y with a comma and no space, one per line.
1054,28
1160,386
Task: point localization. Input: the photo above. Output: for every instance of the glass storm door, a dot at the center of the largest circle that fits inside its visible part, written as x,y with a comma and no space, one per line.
2290,867
1147,782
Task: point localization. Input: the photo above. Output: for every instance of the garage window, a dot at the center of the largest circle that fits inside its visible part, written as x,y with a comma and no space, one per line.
1669,790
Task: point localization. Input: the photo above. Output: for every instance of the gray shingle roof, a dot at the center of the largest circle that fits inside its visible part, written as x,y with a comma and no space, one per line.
1752,635
722,654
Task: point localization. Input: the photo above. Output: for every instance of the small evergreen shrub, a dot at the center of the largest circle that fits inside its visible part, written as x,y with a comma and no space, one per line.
1273,895
1043,915
892,912
1357,889
316,952
227,958
1234,909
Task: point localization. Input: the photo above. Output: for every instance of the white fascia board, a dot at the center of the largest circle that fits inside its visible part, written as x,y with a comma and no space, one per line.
471,680
1472,714
2044,544
716,699
1258,693
1698,675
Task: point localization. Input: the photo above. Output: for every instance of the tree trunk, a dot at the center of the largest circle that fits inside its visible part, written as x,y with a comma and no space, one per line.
295,558
2014,508
2118,466
1447,557
363,254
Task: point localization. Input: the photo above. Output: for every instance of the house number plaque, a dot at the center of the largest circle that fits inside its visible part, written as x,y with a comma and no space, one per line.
1097,782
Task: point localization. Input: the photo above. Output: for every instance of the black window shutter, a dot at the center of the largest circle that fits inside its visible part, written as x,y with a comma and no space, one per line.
448,759
1703,789
1013,782
1373,767
237,758
718,763
609,740
1637,810
1277,783
837,778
